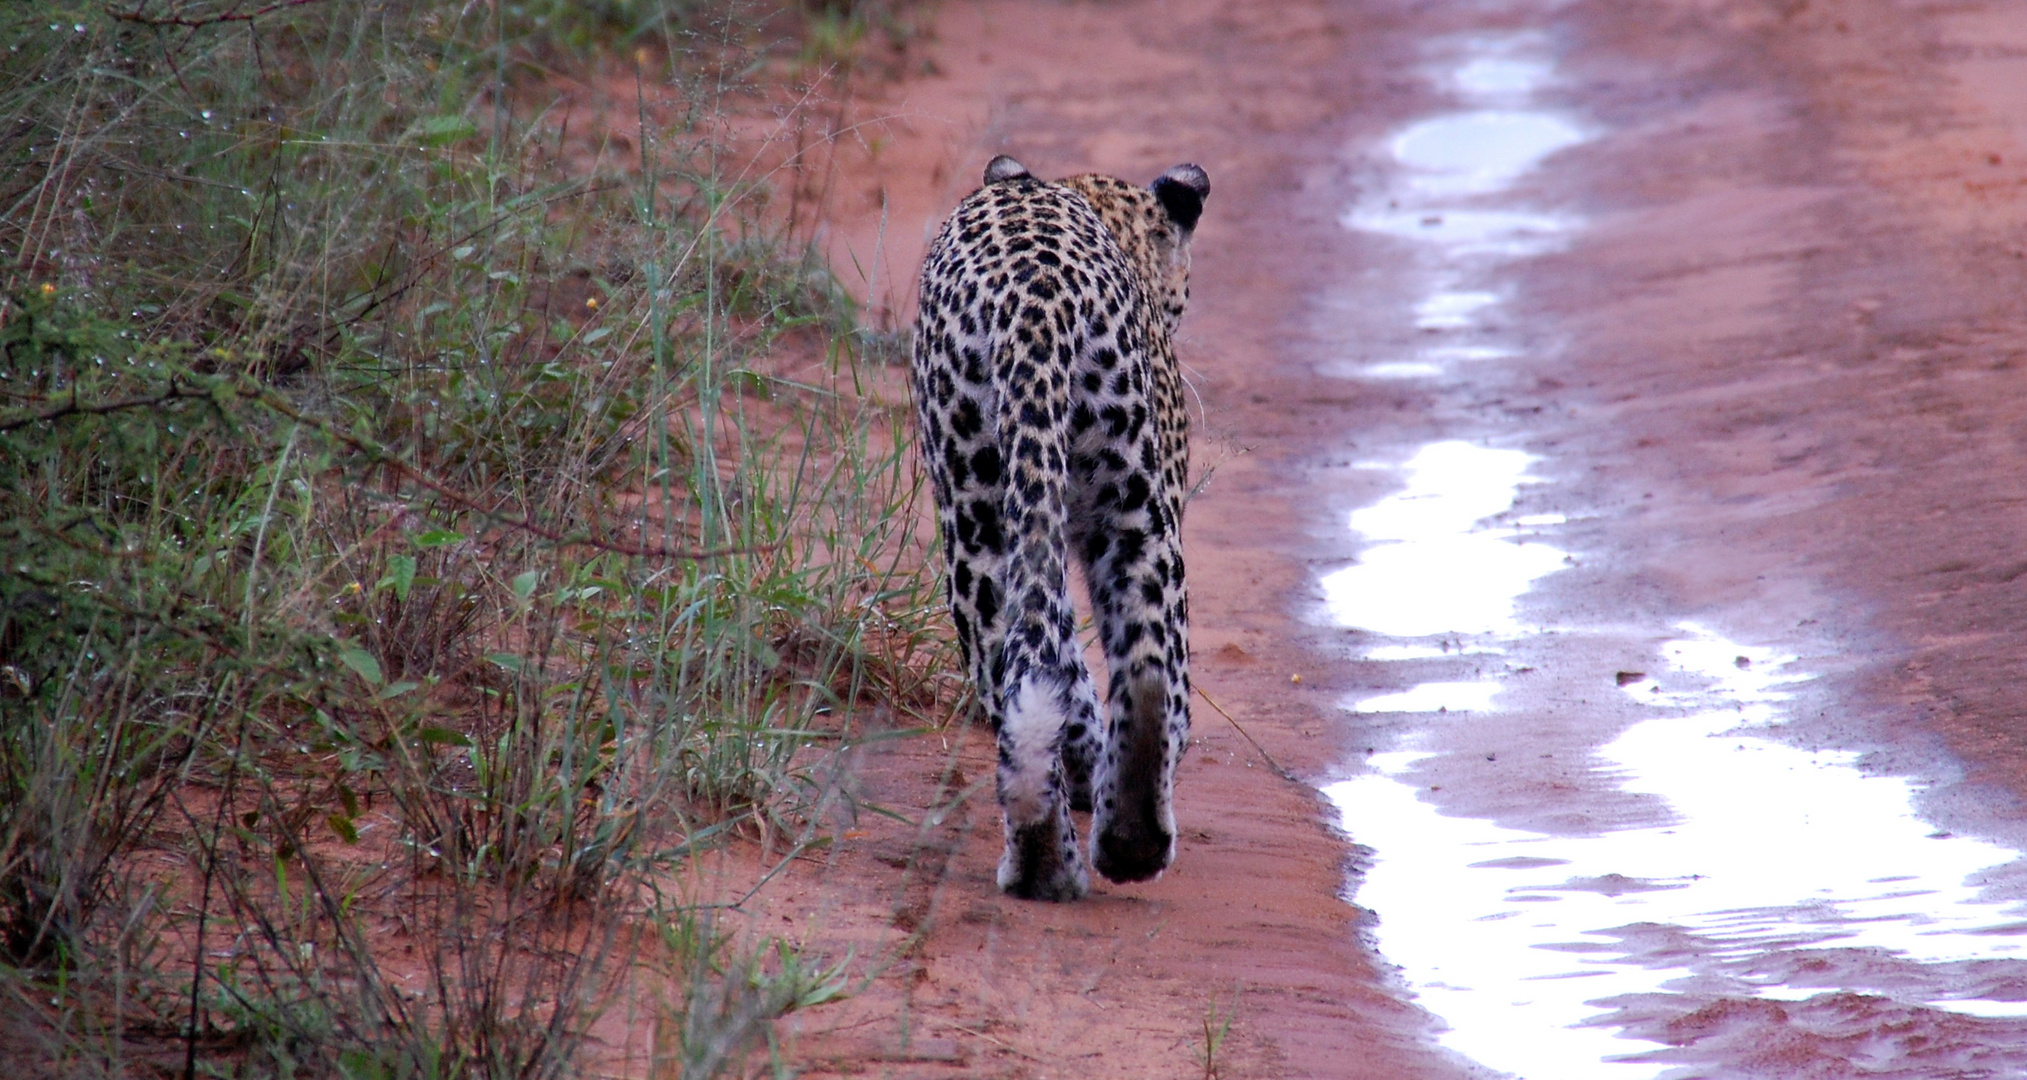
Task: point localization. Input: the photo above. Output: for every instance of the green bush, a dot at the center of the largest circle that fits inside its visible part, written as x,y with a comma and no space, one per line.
401,535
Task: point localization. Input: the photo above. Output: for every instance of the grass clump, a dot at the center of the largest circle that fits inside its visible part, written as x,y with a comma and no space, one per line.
412,543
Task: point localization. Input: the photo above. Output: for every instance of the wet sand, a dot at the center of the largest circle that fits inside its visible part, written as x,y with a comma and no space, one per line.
1770,388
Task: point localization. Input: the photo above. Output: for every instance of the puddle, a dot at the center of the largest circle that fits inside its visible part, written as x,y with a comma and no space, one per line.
1759,871
1434,566
1478,152
1774,862
1433,697
1448,172
1497,78
1401,369
1445,310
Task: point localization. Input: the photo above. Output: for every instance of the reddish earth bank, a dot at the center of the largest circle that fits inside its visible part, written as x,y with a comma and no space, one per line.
1776,384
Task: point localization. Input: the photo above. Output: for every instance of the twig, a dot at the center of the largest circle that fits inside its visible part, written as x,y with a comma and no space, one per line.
1001,1043
139,15
1269,758
73,407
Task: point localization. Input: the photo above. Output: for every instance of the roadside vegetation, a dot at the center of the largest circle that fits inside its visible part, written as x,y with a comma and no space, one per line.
427,527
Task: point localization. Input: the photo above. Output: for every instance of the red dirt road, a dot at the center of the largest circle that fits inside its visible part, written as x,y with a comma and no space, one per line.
1779,382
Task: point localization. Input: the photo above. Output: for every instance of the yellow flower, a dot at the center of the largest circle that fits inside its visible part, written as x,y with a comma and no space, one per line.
49,288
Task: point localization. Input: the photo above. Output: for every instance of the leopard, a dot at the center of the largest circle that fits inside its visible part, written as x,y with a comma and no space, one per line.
1053,427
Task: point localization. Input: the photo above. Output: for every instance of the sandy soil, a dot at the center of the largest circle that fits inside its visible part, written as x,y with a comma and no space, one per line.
1785,377
1247,934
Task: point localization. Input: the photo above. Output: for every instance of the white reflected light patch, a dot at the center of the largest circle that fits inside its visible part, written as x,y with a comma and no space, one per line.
1507,233
1477,152
1401,369
1452,485
1508,934
1448,173
1434,697
1446,310
1501,78
1433,569
1470,353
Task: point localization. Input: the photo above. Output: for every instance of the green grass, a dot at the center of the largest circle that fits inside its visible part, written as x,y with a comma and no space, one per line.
413,548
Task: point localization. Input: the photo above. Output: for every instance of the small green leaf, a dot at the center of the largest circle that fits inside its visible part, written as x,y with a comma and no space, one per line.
438,538
596,334
342,825
507,661
524,584
400,575
360,1065
397,690
361,662
441,736
833,990
442,130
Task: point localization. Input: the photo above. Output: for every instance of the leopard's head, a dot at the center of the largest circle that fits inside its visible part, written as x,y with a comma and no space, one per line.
1152,224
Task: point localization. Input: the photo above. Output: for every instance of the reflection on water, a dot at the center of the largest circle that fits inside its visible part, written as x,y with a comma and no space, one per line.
1401,369
1769,873
1445,310
1496,78
1476,152
1449,171
1433,567
1505,233
1773,854
1433,697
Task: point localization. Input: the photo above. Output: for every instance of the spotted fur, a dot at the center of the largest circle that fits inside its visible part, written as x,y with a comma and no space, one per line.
1053,423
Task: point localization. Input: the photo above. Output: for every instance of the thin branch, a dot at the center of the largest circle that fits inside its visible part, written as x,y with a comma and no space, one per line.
1269,758
140,15
73,407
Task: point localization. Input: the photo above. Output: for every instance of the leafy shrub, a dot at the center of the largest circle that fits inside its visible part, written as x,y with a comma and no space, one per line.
402,539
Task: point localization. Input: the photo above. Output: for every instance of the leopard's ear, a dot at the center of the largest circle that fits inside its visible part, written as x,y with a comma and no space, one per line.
1182,191
1005,168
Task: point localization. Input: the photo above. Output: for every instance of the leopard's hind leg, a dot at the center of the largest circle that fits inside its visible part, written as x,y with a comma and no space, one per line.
1042,690
1128,535
996,448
